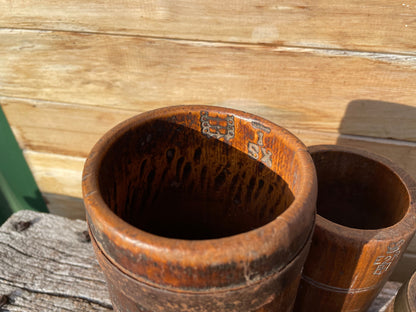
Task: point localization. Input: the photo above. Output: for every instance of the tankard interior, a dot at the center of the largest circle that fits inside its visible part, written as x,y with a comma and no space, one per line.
173,181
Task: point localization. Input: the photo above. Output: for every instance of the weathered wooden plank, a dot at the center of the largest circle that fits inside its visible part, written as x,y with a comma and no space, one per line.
310,86
60,128
55,173
49,266
73,129
22,300
371,25
66,206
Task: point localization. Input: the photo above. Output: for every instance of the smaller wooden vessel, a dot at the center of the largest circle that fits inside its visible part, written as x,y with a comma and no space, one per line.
366,217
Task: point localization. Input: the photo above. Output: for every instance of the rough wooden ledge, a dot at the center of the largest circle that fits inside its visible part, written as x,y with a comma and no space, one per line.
48,264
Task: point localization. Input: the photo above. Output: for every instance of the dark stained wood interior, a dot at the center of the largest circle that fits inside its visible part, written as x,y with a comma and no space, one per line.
173,181
358,192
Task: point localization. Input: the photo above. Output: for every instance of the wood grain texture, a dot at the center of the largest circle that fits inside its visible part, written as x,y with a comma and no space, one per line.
38,263
48,266
320,90
61,128
353,25
55,173
67,129
67,206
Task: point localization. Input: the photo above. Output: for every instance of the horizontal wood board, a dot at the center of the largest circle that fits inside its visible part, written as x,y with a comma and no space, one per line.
56,173
72,130
49,267
63,205
322,90
381,25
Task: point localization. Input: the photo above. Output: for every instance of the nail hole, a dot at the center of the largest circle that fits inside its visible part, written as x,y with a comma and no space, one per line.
84,237
4,299
22,225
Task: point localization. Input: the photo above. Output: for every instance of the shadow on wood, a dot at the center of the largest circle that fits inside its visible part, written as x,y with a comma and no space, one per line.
379,119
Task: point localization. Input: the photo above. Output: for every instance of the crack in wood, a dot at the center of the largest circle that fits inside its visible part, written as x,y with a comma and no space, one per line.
46,268
12,283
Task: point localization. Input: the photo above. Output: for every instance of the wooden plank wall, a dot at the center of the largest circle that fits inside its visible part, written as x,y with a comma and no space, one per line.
333,72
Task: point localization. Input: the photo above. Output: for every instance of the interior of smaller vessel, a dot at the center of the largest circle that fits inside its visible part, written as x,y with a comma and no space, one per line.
358,192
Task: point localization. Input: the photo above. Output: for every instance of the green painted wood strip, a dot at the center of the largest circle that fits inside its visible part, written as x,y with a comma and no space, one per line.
18,189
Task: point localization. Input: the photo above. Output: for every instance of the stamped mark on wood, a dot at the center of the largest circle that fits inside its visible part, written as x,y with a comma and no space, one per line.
257,150
259,126
383,262
217,127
